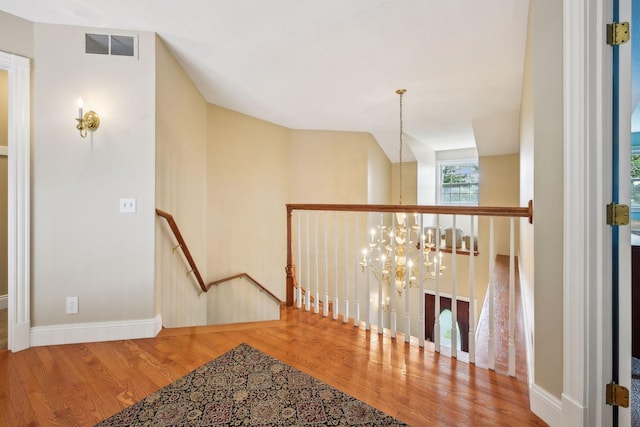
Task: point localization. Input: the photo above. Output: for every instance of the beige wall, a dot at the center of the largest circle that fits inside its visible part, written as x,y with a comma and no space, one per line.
379,180
409,183
16,35
526,249
81,244
499,186
248,179
330,167
181,190
541,180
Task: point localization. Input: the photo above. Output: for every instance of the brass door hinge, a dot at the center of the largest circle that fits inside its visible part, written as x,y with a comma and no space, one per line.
617,214
617,395
617,33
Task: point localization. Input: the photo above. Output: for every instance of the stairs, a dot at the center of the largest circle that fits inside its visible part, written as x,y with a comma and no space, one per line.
501,324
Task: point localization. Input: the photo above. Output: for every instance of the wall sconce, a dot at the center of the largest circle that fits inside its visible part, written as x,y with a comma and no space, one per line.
90,121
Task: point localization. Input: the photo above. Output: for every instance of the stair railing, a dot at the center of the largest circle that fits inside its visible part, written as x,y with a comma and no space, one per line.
250,279
332,249
183,246
194,268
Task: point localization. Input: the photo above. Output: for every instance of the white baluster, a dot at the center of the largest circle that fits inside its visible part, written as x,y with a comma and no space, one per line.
407,280
368,284
299,269
345,316
492,266
325,305
472,310
307,305
392,281
421,305
316,303
454,284
512,303
436,321
380,254
335,266
356,296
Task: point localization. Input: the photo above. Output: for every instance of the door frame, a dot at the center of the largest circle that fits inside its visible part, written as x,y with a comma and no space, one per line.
19,196
587,298
624,232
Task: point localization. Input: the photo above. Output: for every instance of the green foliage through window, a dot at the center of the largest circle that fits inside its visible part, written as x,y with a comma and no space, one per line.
635,179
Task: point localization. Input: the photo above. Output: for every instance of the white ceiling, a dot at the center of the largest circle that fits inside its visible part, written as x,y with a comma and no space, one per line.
336,64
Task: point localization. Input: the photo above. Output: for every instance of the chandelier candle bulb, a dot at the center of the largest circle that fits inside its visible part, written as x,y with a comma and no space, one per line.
80,106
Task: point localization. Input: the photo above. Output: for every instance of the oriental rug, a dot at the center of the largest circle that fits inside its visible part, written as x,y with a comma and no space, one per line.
245,387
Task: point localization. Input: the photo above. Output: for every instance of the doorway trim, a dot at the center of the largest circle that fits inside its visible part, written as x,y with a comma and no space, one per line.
19,215
587,250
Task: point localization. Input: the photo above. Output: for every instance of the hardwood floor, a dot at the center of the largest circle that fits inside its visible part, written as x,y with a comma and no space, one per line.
81,384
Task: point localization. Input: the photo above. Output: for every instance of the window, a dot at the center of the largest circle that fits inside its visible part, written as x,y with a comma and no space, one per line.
459,183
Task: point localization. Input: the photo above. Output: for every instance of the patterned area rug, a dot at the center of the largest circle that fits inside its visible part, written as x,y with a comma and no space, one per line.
246,387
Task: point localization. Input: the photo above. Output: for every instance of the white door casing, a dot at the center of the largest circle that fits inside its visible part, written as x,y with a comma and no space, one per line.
19,215
588,172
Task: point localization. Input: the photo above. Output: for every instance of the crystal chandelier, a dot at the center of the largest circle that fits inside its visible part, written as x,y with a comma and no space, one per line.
395,253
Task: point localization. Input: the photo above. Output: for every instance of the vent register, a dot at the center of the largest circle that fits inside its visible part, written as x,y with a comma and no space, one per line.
104,44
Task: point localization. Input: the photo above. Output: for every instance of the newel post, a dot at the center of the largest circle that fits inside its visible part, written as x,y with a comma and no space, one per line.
290,269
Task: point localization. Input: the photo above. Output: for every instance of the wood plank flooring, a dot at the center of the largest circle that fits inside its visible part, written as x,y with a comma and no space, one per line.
81,384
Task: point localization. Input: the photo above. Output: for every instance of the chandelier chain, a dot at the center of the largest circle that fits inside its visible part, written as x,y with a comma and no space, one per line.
401,93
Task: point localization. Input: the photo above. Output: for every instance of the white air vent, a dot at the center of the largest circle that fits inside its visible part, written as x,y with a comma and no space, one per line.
104,44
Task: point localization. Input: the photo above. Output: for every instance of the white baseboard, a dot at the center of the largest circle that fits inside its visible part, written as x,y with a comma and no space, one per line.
4,301
573,413
546,406
19,340
95,332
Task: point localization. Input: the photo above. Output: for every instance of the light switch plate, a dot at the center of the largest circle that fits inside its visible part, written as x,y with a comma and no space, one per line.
72,305
128,205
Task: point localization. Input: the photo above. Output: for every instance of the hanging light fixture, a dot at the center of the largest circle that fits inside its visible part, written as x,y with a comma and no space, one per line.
394,252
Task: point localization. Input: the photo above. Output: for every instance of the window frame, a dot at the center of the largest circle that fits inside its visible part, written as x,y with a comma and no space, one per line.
439,183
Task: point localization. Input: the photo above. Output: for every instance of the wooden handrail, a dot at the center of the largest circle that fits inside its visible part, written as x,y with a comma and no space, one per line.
418,209
251,279
182,245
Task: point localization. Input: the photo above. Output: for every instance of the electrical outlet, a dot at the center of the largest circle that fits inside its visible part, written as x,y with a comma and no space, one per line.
128,205
72,305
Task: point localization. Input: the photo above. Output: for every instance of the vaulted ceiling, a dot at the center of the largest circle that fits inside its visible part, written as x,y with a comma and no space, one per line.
336,64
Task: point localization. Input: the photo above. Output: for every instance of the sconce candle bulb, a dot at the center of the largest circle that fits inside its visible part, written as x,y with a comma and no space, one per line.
80,106
89,121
